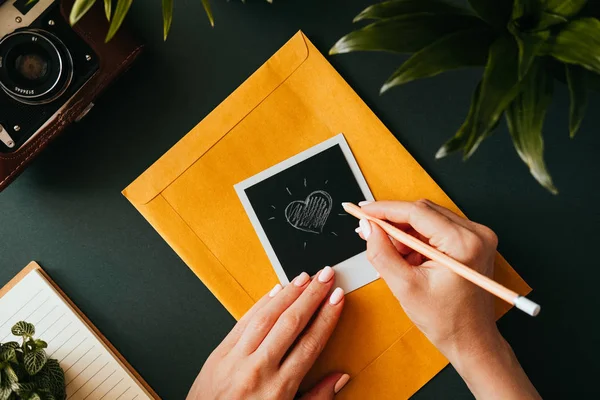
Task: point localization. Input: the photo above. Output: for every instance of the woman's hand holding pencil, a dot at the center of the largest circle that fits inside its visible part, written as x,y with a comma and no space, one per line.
456,315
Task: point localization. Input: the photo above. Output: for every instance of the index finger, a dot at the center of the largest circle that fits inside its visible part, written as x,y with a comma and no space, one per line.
423,218
232,338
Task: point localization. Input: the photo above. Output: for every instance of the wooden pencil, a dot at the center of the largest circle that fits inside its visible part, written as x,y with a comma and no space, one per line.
512,297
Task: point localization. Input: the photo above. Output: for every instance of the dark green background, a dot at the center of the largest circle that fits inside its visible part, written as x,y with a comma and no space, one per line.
66,210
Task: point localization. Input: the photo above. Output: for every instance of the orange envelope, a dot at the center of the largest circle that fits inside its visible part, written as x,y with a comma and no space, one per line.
291,103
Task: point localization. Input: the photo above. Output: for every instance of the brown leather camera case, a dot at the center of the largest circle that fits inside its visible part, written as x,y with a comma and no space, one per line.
115,57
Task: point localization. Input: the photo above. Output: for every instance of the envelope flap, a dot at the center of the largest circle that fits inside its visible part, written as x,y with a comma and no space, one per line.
220,121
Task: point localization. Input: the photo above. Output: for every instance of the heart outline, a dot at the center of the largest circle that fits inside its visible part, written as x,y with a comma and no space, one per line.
296,212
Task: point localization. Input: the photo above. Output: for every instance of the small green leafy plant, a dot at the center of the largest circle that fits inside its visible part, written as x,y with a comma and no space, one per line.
26,372
116,17
524,46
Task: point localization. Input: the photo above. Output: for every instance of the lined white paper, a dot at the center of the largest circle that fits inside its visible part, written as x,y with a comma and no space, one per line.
92,372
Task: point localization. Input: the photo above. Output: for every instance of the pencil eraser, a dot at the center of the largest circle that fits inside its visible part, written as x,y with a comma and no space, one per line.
528,306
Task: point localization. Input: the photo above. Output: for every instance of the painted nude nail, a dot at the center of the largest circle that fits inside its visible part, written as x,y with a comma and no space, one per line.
326,275
275,290
301,279
339,385
364,203
336,296
358,230
365,227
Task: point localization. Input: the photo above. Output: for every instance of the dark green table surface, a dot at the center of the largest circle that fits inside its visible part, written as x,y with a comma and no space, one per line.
67,213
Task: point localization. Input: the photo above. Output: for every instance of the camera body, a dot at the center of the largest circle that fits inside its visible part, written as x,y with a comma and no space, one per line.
42,65
51,73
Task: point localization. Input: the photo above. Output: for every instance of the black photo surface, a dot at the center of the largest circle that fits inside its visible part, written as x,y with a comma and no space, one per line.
301,214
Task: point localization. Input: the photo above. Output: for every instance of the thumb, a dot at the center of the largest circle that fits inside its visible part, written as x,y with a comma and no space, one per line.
384,256
327,388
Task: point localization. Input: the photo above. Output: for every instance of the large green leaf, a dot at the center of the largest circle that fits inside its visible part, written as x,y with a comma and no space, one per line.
525,117
578,43
118,18
526,8
23,328
208,10
457,50
499,86
576,80
567,8
167,9
404,34
395,8
495,12
548,20
108,9
530,45
34,361
459,140
530,16
80,7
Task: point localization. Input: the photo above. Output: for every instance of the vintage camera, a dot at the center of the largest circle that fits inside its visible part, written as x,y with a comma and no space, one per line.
51,73
43,63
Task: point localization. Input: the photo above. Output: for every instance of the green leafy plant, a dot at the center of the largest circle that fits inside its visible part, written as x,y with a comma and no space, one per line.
116,17
26,372
523,45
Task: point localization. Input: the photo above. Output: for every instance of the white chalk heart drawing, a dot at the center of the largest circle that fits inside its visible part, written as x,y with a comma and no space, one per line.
311,214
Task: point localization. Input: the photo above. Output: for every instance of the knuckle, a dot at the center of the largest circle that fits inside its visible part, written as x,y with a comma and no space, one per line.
489,235
261,323
474,244
263,358
420,205
291,321
311,345
315,290
328,317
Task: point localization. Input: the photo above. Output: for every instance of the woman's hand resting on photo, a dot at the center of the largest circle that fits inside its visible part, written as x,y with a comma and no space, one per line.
273,346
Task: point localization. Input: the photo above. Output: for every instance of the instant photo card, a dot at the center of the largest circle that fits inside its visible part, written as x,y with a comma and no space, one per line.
295,208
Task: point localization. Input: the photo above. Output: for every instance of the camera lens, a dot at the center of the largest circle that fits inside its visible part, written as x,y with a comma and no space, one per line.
31,67
35,66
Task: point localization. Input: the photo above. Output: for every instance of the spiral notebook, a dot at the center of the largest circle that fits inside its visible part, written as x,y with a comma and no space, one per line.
93,368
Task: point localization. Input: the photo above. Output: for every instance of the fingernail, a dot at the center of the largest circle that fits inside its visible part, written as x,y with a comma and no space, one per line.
275,290
336,296
326,275
301,279
364,203
365,226
339,385
358,230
